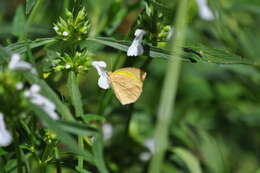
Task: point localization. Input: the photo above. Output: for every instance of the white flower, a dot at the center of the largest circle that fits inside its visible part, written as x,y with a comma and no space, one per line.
55,28
68,66
36,98
170,33
65,33
5,135
150,144
145,156
204,11
107,130
19,86
17,64
103,81
136,47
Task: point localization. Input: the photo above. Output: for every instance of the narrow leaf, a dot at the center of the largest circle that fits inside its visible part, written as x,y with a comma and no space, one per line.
192,53
23,46
29,5
77,128
98,154
19,22
189,159
65,138
75,94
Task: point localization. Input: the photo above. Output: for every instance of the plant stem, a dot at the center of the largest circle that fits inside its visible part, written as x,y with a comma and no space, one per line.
75,96
80,158
57,157
169,90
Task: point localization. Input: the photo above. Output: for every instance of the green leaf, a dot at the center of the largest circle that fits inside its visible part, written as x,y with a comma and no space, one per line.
77,128
201,53
4,55
75,95
93,117
189,159
81,170
2,152
123,46
98,153
23,46
19,22
192,53
29,6
64,137
48,92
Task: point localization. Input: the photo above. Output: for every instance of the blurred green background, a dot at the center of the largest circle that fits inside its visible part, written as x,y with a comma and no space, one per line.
216,120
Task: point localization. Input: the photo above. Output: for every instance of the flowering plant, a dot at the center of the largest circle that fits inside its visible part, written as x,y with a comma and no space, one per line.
129,86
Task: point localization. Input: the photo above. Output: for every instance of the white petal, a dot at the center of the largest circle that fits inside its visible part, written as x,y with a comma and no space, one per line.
52,114
43,102
139,33
206,14
101,64
103,81
150,144
145,156
35,88
14,60
17,64
19,86
136,49
65,33
68,66
170,34
55,28
204,11
107,130
5,135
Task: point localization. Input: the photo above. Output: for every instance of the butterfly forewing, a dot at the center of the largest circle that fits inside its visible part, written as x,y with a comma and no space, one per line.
127,84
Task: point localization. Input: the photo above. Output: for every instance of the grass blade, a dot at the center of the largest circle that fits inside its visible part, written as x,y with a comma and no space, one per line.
169,90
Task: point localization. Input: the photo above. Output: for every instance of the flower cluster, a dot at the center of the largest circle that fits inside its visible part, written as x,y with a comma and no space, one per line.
80,62
33,93
166,33
75,27
10,85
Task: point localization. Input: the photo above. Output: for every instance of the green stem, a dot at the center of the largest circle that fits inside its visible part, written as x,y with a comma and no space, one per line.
57,157
169,91
75,96
80,158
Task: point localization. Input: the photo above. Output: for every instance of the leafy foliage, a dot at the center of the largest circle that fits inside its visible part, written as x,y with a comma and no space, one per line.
213,109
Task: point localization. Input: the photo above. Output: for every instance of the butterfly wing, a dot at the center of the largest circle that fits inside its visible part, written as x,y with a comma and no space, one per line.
127,84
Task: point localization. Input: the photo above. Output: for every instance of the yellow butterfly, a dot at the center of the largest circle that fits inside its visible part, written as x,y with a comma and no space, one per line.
127,84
